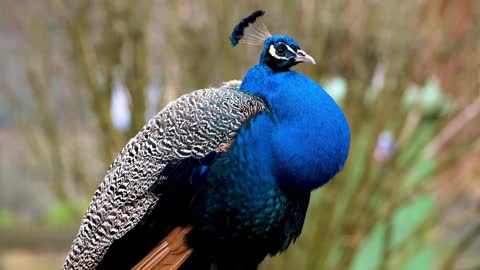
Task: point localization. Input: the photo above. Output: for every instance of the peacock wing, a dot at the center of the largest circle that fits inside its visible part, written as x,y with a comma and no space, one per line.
191,126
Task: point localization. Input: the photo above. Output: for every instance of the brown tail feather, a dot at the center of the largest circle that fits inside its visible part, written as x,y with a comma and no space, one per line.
169,254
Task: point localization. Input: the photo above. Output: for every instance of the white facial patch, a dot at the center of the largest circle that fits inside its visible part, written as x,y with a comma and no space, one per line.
290,49
273,52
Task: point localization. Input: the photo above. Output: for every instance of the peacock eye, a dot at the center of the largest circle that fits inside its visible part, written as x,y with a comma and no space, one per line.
281,50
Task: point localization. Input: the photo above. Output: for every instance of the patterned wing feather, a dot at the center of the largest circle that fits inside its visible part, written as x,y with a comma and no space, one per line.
193,125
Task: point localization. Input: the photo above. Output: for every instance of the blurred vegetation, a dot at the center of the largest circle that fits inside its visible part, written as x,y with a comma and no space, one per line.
407,76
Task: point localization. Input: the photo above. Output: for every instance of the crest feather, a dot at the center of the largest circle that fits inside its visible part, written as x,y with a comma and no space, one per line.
250,31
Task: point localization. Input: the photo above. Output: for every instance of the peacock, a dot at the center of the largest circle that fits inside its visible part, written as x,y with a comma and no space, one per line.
221,177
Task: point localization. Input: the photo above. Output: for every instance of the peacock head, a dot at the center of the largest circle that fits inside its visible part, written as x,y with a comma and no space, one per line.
279,52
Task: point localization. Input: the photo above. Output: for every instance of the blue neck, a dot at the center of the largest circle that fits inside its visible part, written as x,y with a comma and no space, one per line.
311,127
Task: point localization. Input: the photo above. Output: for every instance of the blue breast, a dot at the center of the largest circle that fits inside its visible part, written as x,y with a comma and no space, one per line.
311,139
258,192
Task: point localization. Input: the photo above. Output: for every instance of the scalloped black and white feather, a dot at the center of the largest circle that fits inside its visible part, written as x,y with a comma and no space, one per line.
250,31
191,126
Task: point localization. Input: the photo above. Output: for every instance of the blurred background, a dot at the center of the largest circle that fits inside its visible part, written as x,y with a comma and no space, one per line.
79,78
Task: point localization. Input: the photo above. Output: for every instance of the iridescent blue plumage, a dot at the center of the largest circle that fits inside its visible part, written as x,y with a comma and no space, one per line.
312,139
259,190
248,200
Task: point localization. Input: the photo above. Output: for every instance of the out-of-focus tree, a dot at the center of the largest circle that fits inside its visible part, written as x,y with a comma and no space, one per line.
97,40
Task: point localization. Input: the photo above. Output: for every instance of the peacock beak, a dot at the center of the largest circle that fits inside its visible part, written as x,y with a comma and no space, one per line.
304,57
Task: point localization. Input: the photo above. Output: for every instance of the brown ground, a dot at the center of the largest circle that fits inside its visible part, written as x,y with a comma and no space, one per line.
18,259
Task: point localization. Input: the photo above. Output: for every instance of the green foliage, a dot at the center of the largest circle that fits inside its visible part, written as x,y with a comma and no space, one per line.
408,217
64,214
60,215
7,218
